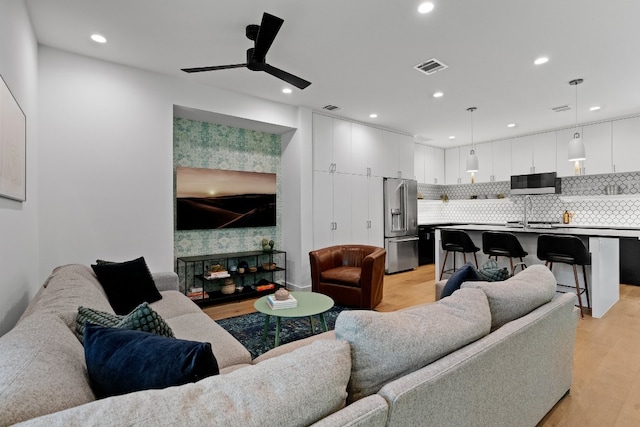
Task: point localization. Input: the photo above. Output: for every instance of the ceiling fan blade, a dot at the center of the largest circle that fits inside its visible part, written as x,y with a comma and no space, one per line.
287,77
217,67
266,34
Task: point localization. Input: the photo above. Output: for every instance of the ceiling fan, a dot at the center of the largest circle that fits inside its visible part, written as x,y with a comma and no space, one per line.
262,35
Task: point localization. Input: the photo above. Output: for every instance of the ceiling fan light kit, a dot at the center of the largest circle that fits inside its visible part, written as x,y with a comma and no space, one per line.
262,35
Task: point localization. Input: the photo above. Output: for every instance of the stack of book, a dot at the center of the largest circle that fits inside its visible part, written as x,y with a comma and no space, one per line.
216,275
197,294
275,304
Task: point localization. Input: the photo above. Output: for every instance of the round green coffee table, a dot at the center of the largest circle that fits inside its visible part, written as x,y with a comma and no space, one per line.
309,304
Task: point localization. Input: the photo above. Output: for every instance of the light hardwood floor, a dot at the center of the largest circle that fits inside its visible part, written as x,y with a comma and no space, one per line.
606,376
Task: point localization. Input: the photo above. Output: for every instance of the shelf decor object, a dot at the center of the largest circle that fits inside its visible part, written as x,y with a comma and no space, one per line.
472,160
576,146
13,142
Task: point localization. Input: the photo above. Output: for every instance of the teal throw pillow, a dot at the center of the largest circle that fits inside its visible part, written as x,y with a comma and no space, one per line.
121,361
142,318
490,272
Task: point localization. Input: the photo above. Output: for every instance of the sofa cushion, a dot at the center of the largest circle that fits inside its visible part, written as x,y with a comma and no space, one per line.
127,284
518,295
465,273
42,369
347,276
296,389
386,346
121,361
67,288
142,318
200,327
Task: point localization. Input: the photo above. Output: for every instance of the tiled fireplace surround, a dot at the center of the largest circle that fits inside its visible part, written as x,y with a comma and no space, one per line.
583,196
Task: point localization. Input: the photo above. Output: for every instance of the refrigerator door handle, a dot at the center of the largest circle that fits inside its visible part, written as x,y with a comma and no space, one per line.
408,239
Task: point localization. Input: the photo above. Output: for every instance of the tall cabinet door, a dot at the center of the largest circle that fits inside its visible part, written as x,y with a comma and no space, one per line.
597,147
544,152
521,155
360,209
376,212
322,209
438,166
502,160
484,152
342,146
342,208
322,142
452,165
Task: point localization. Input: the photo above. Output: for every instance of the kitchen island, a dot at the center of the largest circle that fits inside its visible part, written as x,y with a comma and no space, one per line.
603,275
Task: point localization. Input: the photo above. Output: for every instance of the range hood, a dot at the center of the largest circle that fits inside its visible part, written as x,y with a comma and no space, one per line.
536,183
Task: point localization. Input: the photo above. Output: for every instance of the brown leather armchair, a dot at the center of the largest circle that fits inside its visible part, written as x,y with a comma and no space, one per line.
352,275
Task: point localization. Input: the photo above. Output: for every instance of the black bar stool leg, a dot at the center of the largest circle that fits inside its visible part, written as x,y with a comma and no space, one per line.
575,275
586,287
446,254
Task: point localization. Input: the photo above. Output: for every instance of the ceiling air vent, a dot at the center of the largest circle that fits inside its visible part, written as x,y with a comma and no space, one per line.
431,66
331,107
561,108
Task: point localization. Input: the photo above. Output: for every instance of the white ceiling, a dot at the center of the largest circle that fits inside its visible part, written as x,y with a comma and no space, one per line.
359,55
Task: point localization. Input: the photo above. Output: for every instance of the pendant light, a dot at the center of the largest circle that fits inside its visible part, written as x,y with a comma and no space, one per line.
472,160
576,146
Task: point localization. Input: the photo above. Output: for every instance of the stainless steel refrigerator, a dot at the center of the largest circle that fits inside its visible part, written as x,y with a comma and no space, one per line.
400,224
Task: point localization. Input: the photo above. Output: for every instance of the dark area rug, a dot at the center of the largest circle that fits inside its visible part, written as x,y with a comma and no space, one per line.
248,329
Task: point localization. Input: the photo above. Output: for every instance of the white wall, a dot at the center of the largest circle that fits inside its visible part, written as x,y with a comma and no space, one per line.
106,175
18,221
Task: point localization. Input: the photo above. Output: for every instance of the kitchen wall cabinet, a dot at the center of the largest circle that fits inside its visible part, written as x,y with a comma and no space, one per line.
522,155
331,145
625,148
428,164
544,152
597,146
452,166
404,151
502,160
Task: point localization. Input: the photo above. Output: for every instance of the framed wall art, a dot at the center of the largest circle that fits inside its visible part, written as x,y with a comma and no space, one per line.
216,198
13,144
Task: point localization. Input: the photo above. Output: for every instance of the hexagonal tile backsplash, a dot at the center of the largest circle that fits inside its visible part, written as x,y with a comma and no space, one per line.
583,196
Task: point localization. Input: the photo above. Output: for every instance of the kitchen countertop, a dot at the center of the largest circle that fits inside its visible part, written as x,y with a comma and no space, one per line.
596,231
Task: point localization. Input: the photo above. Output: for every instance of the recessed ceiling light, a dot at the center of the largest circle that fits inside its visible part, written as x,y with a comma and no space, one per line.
541,60
286,90
452,137
425,7
596,108
438,94
373,115
511,125
98,38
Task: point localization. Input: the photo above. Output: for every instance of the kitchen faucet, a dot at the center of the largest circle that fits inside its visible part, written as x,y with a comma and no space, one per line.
526,201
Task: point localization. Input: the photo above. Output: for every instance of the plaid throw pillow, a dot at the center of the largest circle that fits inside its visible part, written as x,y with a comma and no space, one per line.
492,273
142,318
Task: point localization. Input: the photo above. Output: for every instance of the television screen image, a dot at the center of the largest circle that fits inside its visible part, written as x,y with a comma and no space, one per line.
215,198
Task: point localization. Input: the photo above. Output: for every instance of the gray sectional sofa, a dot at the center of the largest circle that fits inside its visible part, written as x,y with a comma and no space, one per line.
499,356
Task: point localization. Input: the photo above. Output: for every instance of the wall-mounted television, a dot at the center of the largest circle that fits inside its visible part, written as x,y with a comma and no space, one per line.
216,198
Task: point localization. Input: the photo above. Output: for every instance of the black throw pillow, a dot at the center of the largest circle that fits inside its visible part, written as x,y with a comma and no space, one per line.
467,273
121,361
127,284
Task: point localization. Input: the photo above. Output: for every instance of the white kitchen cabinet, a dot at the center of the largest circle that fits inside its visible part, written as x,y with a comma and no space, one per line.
331,208
420,162
522,155
367,226
484,152
597,147
404,146
331,144
452,166
502,160
438,167
363,148
563,166
626,150
544,152
385,154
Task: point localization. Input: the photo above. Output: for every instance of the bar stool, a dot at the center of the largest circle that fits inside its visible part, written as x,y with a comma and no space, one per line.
567,250
499,243
456,241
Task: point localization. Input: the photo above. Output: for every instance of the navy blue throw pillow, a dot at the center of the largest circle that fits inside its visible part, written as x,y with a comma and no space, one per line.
121,361
127,284
467,273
